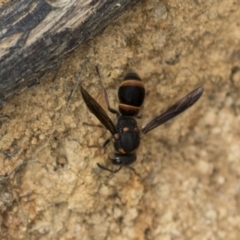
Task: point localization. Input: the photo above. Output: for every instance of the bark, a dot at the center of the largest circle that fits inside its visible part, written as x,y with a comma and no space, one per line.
36,35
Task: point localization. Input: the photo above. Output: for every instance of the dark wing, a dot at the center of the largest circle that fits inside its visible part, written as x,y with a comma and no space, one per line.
174,110
98,111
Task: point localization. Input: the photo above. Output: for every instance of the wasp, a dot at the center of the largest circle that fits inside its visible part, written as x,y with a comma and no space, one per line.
125,133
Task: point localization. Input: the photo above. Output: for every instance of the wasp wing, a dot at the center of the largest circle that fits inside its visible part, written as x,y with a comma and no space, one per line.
98,111
174,110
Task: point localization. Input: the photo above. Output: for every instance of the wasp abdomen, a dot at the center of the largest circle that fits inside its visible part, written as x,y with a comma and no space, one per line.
131,95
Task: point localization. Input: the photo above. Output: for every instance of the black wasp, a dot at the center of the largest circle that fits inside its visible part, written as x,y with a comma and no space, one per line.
126,134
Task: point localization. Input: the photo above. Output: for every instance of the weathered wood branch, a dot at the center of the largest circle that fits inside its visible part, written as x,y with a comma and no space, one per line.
35,35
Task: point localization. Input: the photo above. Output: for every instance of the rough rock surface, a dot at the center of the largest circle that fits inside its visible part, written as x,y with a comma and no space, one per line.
187,182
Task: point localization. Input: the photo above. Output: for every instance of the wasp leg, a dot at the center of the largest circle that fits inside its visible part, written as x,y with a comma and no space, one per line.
112,110
93,125
109,170
106,142
139,116
134,170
